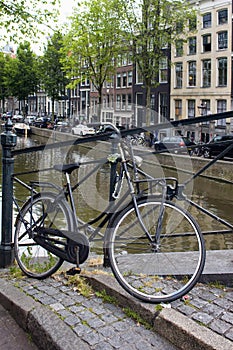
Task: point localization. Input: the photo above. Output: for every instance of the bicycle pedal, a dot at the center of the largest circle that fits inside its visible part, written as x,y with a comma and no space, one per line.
73,271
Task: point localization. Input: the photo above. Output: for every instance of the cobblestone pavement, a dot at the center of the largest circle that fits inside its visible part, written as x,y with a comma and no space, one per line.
211,307
100,324
103,324
12,335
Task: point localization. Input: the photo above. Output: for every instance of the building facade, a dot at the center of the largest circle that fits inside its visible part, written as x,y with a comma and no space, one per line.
201,75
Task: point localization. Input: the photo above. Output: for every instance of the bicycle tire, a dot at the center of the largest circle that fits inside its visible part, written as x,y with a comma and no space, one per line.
149,275
34,260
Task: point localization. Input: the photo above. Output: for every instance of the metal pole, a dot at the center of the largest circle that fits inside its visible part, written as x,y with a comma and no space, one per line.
8,142
114,140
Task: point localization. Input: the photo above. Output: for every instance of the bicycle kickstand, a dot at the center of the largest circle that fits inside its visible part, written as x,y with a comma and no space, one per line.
76,270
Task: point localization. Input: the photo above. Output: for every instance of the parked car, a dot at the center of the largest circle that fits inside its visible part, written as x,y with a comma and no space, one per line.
62,126
82,130
41,122
175,144
7,115
216,145
108,128
17,118
30,119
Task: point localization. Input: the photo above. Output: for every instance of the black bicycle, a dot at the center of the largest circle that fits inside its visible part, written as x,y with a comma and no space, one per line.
153,246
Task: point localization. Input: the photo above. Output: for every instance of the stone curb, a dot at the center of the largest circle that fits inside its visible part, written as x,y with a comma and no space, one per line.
169,323
47,330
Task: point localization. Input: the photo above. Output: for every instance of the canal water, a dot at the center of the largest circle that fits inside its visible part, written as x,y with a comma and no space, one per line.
93,194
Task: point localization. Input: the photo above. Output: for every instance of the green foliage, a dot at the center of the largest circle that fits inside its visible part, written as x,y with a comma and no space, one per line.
53,77
21,73
93,42
3,88
106,297
26,17
80,285
132,314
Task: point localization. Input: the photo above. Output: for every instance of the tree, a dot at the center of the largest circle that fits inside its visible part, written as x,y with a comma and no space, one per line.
93,43
22,75
150,26
53,77
25,17
3,90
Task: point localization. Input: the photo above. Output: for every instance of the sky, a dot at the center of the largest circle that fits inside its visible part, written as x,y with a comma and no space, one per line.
66,7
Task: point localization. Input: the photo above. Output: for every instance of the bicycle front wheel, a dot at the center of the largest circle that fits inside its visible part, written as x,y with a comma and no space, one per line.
153,271
37,235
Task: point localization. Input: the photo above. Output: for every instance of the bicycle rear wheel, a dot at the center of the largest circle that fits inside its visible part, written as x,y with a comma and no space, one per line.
159,272
41,219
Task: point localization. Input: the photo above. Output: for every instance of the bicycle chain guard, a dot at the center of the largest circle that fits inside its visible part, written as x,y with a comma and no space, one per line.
50,239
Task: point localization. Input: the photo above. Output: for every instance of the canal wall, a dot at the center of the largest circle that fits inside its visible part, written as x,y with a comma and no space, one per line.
221,170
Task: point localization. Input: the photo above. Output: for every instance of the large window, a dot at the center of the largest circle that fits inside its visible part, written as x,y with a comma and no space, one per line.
222,40
222,71
163,70
124,79
206,20
191,108
221,107
192,45
192,73
206,42
163,99
206,73
130,78
178,109
118,80
193,24
222,16
179,48
179,75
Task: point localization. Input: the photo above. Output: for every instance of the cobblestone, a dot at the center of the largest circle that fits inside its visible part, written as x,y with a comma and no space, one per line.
104,325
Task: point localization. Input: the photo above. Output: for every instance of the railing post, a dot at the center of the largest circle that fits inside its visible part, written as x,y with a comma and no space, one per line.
8,142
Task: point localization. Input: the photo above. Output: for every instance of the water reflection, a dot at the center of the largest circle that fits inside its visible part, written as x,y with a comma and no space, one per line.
93,195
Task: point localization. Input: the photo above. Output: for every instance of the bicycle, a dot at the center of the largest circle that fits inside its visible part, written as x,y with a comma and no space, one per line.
154,247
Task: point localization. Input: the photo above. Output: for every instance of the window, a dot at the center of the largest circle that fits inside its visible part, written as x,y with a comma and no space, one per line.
222,16
192,73
179,75
129,102
221,107
178,108
163,70
123,102
206,73
163,98
207,20
193,24
124,80
118,102
130,78
222,40
222,71
118,82
206,42
191,108
179,48
192,45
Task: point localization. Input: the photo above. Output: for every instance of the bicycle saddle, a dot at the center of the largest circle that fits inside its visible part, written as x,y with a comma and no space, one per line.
66,168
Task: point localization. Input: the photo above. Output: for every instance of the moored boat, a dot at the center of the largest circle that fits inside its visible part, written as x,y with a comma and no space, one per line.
21,128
